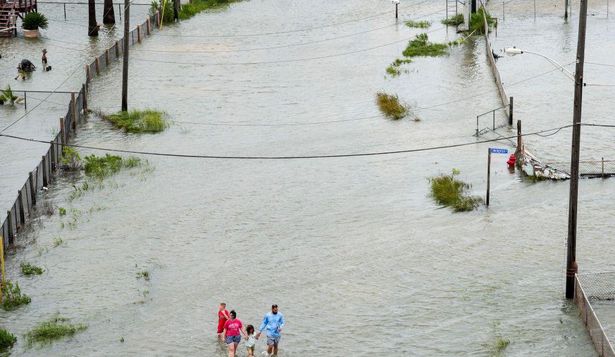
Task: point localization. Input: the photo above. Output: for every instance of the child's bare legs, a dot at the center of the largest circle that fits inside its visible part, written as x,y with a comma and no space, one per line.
250,351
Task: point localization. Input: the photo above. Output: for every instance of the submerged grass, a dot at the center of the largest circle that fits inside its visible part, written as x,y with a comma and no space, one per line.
103,166
197,6
477,21
394,69
28,269
12,298
53,329
448,191
418,24
421,47
71,160
7,340
390,105
139,121
454,20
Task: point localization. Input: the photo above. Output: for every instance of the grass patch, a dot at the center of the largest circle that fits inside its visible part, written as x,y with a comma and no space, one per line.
421,47
28,269
390,105
53,329
477,21
168,16
7,340
62,211
103,166
143,274
12,298
448,191
71,160
7,96
57,241
394,69
197,6
139,121
418,24
454,20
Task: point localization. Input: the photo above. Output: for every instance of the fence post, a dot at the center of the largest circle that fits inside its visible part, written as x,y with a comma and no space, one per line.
9,221
117,49
148,27
139,33
602,167
493,120
62,132
97,66
519,138
85,99
22,211
32,189
476,126
45,175
107,57
73,109
25,100
511,108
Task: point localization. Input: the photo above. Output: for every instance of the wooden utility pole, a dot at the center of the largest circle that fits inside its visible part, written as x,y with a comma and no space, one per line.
92,25
571,263
566,10
125,58
108,13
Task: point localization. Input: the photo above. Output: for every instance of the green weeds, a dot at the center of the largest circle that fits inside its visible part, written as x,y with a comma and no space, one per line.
448,191
477,21
394,69
197,6
143,274
104,166
53,329
62,211
7,96
57,241
390,106
167,15
71,160
139,121
7,340
421,47
12,298
28,269
454,20
418,24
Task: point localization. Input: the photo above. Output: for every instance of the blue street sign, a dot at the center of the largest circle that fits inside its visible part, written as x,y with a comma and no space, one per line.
498,151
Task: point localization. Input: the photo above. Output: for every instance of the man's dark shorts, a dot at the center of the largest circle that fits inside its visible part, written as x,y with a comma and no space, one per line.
273,341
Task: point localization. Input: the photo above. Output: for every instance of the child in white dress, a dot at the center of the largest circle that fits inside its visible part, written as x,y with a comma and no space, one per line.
251,340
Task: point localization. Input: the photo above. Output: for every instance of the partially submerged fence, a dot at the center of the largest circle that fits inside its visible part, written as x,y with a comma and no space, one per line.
24,207
595,287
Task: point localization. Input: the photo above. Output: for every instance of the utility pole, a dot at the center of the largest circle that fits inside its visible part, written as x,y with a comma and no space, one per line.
571,263
566,10
125,52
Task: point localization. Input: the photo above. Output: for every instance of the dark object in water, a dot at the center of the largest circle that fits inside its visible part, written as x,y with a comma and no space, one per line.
48,69
26,66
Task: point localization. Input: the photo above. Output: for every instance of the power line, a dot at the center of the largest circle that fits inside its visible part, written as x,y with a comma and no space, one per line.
299,157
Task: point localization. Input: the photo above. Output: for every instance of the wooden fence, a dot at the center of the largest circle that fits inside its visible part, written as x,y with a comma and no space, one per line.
25,205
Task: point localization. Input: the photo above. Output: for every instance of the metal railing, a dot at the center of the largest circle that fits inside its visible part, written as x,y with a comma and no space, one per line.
493,126
583,299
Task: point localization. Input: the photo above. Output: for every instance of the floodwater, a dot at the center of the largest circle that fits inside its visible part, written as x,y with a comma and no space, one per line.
357,255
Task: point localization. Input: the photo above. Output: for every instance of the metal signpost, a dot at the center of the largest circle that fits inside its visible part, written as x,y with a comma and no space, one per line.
492,151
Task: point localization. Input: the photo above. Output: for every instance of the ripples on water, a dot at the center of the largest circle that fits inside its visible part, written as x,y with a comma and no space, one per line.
354,251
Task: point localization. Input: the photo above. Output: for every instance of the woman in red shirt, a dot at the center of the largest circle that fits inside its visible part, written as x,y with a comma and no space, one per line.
222,318
233,329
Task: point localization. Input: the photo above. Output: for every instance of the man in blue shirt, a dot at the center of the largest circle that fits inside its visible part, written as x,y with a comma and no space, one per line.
272,323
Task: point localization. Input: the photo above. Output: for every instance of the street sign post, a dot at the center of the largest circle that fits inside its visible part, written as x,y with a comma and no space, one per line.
492,151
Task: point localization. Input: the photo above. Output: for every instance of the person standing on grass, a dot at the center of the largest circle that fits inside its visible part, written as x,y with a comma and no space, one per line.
272,323
223,316
233,329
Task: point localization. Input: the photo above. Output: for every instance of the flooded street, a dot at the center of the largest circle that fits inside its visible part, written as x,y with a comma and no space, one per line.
355,252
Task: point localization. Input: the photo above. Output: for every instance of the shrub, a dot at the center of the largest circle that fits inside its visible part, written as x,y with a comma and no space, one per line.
7,96
34,21
450,192
391,107
103,166
197,6
28,269
418,24
71,160
139,121
53,329
454,21
477,21
168,16
421,47
7,340
12,298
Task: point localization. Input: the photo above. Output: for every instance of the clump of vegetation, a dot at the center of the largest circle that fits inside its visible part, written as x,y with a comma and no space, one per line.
418,24
391,106
7,96
103,166
62,211
454,20
34,21
7,340
28,269
53,329
143,274
196,6
477,21
394,69
166,10
421,47
139,121
57,241
12,298
448,191
71,160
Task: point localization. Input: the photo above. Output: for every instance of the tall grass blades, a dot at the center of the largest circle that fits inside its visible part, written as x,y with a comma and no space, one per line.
390,105
7,340
168,16
139,121
103,166
53,329
197,6
451,192
477,21
421,47
12,298
454,20
71,160
7,96
418,24
28,269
